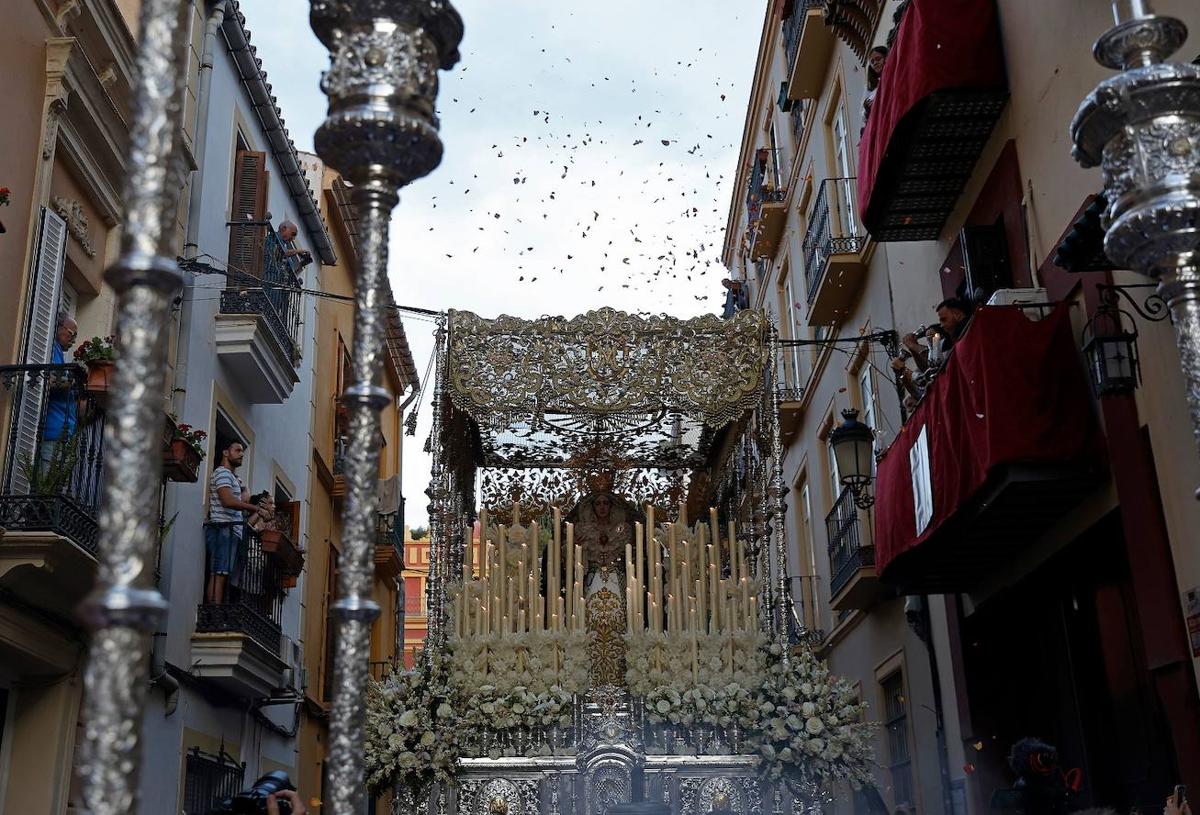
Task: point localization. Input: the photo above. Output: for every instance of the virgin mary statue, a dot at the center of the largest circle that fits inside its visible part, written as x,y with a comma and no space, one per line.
602,529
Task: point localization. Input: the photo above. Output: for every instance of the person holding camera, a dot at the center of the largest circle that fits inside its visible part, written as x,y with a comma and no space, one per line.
293,801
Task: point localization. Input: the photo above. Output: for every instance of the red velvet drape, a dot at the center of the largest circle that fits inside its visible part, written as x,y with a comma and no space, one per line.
941,44
1013,391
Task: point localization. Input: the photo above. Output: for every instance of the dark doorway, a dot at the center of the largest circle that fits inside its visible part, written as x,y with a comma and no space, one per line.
1057,656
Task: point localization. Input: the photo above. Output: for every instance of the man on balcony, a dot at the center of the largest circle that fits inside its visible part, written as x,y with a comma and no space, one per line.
228,498
288,249
61,404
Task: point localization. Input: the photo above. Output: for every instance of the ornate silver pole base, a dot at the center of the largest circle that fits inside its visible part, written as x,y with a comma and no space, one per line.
1142,127
380,134
125,609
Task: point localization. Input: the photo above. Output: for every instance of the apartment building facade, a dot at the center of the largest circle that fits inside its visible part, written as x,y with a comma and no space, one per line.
1023,569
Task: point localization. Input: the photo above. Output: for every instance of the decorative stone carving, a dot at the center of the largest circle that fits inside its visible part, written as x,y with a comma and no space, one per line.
77,222
607,786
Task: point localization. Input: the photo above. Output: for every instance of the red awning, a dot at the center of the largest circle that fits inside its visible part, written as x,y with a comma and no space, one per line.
1013,392
941,45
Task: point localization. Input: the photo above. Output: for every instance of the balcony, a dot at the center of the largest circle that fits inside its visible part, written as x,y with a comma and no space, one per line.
833,245
766,206
237,642
258,329
984,467
854,584
50,495
389,544
340,444
793,375
942,91
807,43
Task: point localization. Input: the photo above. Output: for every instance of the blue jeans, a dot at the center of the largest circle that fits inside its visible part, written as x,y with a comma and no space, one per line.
221,541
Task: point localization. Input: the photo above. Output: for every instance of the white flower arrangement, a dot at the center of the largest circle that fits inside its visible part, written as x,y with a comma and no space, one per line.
722,695
813,727
412,734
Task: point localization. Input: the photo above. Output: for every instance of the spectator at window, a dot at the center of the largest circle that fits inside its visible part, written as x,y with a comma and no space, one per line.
295,257
62,410
735,297
875,62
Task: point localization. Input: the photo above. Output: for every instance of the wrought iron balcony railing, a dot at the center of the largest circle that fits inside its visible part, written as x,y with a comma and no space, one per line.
269,287
253,603
833,229
793,27
54,464
847,552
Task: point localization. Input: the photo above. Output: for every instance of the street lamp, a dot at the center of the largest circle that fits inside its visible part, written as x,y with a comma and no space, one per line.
853,446
1110,345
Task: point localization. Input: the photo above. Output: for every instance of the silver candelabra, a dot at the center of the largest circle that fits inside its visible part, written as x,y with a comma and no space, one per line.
381,133
1142,128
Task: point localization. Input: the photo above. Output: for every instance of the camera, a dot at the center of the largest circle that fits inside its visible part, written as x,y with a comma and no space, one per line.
254,800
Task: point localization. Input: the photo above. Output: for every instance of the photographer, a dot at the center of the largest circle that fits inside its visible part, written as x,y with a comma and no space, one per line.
291,796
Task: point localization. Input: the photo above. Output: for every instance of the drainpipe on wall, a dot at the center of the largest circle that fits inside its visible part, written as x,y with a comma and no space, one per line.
160,676
916,609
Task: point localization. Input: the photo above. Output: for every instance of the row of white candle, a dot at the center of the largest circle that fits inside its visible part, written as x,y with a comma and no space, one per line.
511,605
688,594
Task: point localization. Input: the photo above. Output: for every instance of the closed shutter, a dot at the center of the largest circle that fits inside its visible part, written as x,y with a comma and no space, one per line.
44,297
249,204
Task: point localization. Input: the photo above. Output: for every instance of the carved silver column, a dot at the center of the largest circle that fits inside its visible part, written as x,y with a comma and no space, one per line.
125,608
1142,127
380,133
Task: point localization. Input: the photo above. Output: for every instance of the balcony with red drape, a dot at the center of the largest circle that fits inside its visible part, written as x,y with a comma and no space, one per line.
1004,443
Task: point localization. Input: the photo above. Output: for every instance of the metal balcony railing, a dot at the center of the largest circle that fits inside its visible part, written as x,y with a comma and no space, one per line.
847,552
269,288
253,598
793,27
54,465
833,229
382,669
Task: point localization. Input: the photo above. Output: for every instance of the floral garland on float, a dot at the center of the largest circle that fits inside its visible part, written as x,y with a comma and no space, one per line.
703,674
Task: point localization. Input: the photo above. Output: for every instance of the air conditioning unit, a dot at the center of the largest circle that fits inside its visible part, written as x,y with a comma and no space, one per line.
293,657
1019,297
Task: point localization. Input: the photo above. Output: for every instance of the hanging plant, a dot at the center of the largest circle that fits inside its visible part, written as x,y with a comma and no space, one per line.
96,350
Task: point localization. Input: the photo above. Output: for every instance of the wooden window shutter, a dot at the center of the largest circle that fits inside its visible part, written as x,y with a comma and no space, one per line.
44,296
249,204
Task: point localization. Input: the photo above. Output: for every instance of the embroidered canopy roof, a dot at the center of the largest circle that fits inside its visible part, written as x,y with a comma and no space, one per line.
605,389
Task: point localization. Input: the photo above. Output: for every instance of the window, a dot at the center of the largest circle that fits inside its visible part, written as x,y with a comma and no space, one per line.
810,612
895,722
867,401
249,207
331,580
208,779
778,174
835,479
842,210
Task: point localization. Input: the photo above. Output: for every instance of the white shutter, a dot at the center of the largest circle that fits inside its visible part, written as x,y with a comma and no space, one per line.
922,481
44,297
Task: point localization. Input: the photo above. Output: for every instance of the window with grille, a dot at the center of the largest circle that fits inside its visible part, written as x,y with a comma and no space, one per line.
895,712
208,780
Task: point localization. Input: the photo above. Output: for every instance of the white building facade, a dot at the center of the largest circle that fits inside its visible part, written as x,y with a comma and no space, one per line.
228,676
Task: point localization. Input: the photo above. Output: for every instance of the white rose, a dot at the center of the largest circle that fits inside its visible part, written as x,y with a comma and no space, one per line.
426,739
814,726
808,709
408,718
445,711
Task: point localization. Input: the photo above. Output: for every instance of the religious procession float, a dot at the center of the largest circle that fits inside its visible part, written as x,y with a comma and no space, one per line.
611,629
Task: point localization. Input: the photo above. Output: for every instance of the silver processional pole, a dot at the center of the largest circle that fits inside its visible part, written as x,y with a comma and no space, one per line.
1142,127
125,608
381,133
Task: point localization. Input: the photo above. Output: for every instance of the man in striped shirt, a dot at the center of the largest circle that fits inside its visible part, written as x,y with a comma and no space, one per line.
228,498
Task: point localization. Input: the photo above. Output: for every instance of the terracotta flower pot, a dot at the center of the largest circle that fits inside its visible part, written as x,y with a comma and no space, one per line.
272,541
99,377
181,462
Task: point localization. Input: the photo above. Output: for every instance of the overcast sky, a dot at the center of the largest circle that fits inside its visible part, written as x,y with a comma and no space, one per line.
589,152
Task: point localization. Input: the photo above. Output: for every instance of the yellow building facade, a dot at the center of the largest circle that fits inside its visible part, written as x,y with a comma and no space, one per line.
328,436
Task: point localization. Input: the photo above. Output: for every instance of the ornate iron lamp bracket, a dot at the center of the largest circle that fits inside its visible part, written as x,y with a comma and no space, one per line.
1152,308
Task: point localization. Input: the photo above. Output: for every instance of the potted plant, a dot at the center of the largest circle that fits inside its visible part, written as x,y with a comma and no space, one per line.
182,452
99,356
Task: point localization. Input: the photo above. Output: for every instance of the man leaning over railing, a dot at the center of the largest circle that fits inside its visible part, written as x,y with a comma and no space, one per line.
228,498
